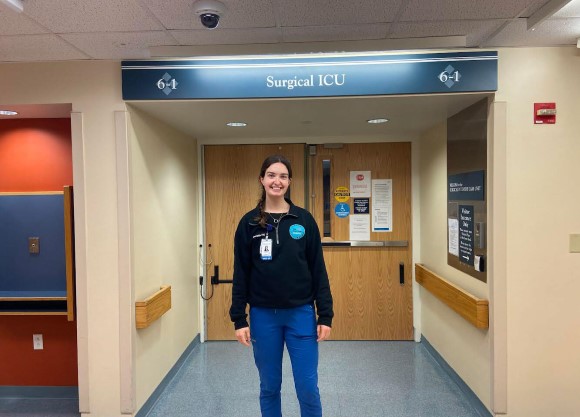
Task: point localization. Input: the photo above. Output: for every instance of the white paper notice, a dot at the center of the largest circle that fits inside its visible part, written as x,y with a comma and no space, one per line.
360,184
360,227
453,236
382,205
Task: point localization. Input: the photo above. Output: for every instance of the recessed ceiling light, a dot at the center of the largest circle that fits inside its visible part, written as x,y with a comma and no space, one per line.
377,121
8,113
237,124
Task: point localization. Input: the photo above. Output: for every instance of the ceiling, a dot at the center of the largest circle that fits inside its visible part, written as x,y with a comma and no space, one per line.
57,30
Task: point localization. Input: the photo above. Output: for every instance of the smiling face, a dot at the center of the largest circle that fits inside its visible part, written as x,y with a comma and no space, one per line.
276,181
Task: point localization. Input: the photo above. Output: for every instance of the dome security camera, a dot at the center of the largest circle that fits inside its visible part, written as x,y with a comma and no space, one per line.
209,12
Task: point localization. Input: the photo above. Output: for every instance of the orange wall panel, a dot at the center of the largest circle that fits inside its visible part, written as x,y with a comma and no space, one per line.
21,365
36,155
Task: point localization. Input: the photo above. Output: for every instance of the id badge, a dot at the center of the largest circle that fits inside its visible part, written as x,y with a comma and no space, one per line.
266,249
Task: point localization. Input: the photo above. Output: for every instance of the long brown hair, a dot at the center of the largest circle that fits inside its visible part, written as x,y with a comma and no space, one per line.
262,217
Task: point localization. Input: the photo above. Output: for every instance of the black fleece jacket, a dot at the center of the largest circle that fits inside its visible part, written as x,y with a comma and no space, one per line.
296,274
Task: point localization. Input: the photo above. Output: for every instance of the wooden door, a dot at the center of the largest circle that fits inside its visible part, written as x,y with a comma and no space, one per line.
231,190
370,303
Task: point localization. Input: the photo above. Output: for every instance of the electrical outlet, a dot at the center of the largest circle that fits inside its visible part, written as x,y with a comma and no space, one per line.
37,342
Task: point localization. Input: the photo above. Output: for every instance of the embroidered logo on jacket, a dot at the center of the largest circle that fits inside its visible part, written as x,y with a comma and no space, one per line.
297,231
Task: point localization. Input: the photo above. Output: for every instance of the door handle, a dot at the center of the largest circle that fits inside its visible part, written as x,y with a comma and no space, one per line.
215,278
402,273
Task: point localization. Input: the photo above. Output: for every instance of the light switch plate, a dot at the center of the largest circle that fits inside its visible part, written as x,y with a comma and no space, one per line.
575,243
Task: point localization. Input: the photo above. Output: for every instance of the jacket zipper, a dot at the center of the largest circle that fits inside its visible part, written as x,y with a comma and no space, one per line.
278,225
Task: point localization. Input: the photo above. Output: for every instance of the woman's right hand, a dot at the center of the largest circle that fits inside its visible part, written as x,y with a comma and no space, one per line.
243,336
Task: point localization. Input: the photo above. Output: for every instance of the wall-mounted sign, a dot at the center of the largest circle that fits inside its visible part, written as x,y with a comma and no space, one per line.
466,234
315,75
466,186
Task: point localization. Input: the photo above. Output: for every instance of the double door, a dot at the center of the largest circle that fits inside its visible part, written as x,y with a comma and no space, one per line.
370,279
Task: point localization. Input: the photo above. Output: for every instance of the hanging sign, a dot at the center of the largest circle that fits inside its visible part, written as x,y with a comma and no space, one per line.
313,75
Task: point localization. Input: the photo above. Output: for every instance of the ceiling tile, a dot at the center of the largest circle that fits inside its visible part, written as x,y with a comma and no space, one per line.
226,36
335,12
549,33
180,14
474,30
37,48
422,10
91,16
334,33
118,45
18,24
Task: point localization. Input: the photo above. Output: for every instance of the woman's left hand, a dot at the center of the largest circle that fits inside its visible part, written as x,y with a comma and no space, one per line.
323,332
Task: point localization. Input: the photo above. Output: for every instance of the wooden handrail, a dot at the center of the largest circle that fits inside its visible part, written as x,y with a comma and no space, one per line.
153,307
474,310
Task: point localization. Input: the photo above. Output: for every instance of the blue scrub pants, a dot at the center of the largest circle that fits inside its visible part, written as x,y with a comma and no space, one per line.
269,329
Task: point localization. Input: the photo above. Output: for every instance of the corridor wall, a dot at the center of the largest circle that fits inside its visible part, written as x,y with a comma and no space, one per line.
164,187
539,278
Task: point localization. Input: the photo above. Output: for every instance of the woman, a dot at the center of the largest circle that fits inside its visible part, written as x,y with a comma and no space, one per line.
279,270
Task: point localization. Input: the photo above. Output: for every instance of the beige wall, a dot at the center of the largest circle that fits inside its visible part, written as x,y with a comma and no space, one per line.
543,209
164,243
464,347
538,276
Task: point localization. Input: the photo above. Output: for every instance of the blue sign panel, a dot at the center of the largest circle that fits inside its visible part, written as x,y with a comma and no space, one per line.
466,186
342,210
466,234
310,76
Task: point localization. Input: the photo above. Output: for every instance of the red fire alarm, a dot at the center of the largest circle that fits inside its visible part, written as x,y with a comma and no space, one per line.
544,113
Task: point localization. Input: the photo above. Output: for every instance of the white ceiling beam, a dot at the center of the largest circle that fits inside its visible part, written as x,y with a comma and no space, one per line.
545,12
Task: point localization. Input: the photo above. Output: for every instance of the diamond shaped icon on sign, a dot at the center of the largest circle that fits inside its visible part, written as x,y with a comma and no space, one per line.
167,90
449,83
166,77
448,70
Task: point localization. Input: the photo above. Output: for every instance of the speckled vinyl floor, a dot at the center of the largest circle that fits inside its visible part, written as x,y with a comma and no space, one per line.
356,379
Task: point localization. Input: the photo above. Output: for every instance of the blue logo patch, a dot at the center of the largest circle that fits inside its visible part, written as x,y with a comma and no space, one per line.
297,231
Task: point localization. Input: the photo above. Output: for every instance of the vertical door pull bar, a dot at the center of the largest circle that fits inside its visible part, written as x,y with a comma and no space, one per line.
402,273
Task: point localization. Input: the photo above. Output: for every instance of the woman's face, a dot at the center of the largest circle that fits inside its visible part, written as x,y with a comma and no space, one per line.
276,180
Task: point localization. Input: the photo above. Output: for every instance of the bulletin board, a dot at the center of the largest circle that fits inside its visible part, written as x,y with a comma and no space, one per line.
467,190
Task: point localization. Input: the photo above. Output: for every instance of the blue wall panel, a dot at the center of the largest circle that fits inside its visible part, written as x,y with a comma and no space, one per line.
24,216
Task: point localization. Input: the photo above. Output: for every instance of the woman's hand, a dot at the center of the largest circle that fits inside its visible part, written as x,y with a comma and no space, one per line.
243,336
323,332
